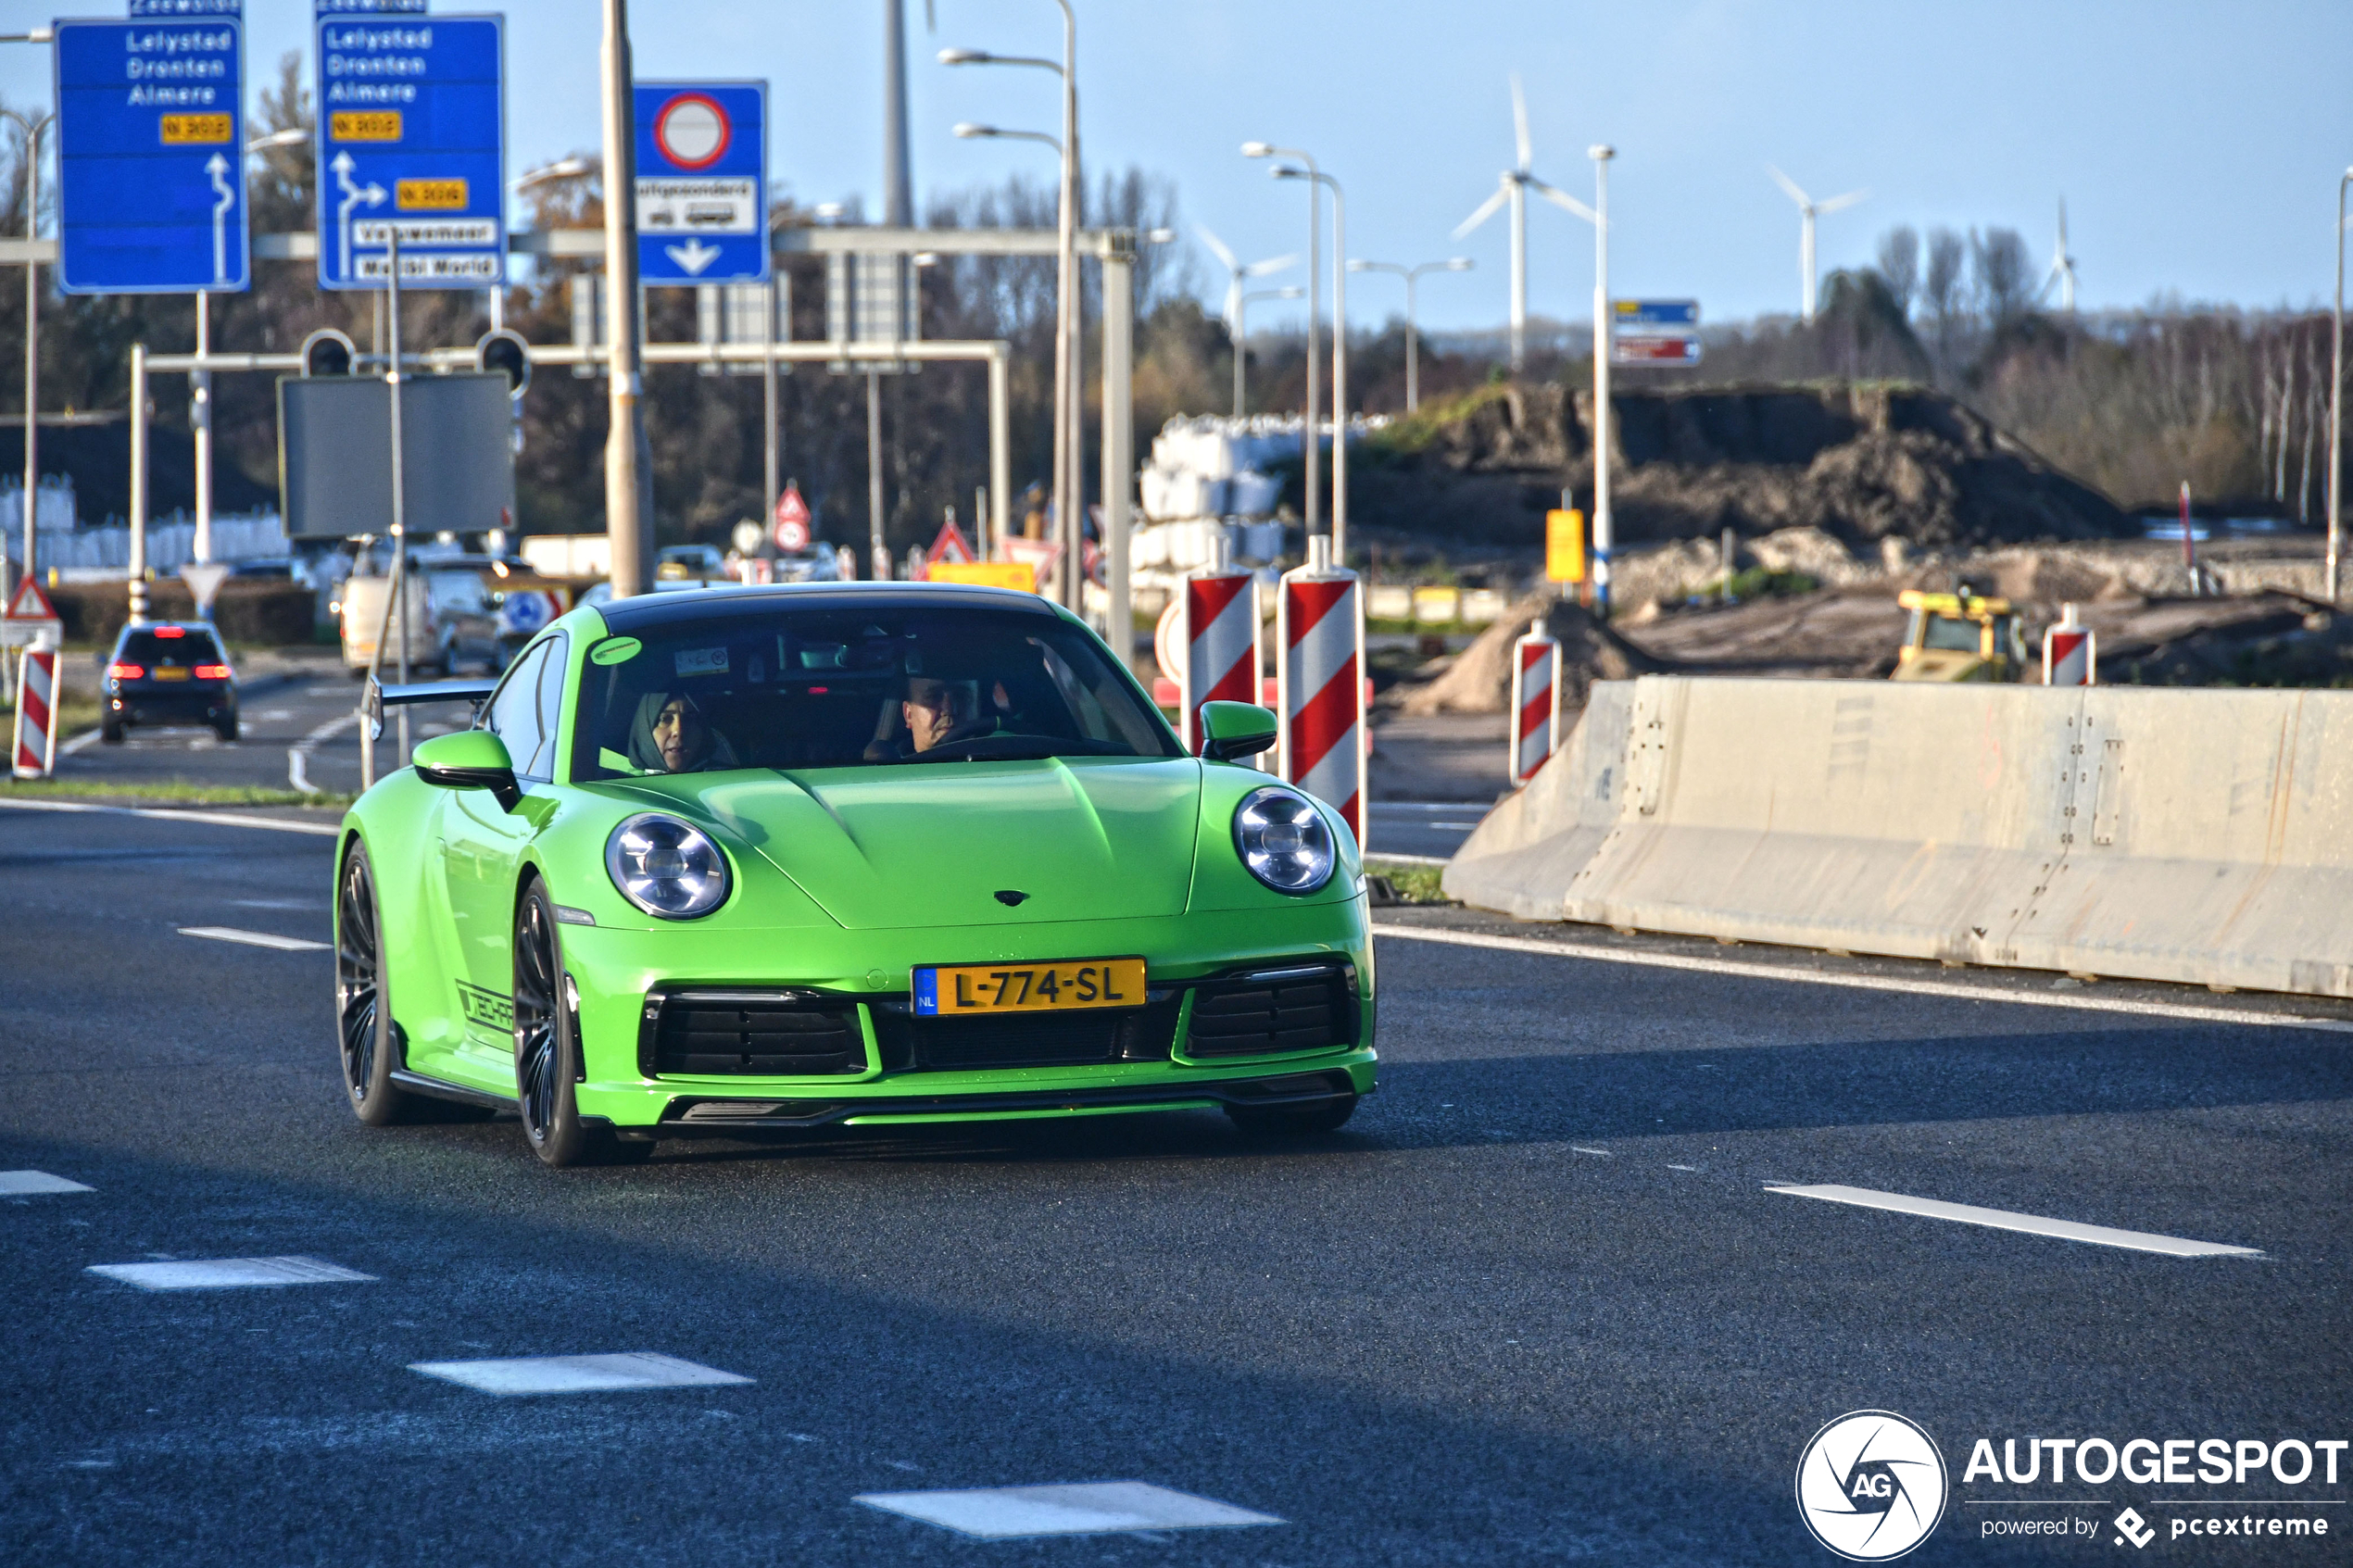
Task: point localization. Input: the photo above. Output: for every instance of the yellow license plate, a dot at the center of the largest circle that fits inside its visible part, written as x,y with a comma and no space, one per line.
166,672
948,990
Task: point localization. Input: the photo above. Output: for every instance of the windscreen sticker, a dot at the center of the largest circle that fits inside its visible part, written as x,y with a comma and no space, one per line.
702,662
613,650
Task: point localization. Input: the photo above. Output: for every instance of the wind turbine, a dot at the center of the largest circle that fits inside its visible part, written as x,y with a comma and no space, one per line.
1511,188
1809,210
2062,266
1237,274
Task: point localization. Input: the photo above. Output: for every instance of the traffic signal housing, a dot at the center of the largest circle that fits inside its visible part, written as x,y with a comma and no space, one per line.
328,353
506,352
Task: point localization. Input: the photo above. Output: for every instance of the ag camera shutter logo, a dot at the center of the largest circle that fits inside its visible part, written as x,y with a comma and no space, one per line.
1871,1485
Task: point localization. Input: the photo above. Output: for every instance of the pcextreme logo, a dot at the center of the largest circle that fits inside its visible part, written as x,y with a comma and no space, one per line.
1871,1485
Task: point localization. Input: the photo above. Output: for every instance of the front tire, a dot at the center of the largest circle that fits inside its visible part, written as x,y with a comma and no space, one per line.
548,1048
363,1007
1292,1120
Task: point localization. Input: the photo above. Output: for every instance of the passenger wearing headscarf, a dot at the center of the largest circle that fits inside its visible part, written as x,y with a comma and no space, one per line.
671,736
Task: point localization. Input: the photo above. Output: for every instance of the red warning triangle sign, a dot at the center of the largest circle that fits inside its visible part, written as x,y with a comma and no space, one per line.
790,507
950,546
30,603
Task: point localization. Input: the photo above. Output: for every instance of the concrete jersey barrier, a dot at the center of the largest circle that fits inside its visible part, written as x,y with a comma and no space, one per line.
2199,836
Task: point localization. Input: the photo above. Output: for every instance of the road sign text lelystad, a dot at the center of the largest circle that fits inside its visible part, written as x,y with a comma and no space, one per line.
411,130
151,139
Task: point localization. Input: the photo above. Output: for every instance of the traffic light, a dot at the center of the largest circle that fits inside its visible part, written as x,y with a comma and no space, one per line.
506,352
327,353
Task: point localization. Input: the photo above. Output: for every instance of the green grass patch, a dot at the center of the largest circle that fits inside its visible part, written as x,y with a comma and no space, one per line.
176,792
1413,885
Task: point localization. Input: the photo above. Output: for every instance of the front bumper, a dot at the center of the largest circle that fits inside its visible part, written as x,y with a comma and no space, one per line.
614,971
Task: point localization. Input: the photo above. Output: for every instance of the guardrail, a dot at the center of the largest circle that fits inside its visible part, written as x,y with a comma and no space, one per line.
2197,835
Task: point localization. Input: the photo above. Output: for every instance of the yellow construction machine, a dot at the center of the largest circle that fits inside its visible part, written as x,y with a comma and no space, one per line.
1959,636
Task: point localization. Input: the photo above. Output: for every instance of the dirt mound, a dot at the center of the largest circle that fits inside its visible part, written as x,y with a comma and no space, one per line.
1858,463
1479,680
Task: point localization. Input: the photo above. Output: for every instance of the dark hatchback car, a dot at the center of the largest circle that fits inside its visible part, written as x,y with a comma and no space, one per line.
166,672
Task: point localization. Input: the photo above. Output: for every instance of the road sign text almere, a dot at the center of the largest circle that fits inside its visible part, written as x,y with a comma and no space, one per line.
702,181
411,130
151,155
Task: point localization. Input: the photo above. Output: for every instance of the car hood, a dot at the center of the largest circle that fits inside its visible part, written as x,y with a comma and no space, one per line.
934,844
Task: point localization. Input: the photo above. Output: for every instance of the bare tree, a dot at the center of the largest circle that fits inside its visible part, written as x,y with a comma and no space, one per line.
1998,260
1899,265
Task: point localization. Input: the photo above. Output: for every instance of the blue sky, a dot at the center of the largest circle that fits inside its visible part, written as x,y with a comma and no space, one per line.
2198,147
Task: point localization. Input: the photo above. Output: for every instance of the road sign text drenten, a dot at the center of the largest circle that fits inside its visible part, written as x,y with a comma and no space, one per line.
151,157
702,181
411,131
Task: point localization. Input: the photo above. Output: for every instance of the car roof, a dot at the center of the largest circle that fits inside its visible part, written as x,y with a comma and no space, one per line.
653,611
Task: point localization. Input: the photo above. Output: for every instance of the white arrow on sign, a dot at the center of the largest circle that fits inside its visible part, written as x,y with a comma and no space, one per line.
353,195
694,256
218,167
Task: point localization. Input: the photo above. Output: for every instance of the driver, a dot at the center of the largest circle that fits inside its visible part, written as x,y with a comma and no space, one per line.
671,736
935,709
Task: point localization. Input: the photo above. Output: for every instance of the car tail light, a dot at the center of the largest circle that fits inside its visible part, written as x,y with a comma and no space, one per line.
125,671
171,631
212,671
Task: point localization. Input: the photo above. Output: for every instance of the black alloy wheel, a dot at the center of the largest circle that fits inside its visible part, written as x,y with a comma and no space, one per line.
363,1011
548,1048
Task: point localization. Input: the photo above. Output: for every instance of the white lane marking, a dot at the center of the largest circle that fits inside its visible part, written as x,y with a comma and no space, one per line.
1374,856
86,738
159,813
576,1374
298,755
1083,1509
1580,1148
254,938
18,1183
275,715
1859,982
229,1273
1682,1167
2033,1224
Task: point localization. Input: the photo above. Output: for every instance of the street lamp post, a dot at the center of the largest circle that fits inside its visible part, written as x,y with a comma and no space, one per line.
1069,479
1340,354
1311,453
33,128
1413,339
2336,395
1601,153
628,461
1242,336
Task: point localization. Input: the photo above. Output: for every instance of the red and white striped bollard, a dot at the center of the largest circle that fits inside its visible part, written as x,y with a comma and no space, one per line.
2071,658
1218,654
35,753
1320,623
1536,712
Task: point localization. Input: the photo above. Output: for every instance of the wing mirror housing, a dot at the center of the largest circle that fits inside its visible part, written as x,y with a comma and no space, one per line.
469,759
1230,731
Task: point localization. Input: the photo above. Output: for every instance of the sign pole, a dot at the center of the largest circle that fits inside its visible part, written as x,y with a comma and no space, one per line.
1604,534
31,344
399,596
628,526
768,402
200,418
138,482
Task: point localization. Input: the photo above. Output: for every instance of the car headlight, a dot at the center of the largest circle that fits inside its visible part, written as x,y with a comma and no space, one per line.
666,866
1284,840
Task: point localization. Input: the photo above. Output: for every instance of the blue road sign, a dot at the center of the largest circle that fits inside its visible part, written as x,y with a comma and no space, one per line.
150,156
1656,312
702,181
411,131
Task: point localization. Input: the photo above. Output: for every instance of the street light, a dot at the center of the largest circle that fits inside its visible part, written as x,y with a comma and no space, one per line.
2336,394
1413,341
1069,489
572,168
1241,338
1604,534
1340,352
1312,455
292,136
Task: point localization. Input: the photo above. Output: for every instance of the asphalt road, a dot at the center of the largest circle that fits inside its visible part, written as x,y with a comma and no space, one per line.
1537,1303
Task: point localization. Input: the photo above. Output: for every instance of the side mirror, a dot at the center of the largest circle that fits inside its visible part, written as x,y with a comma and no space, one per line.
1230,731
469,759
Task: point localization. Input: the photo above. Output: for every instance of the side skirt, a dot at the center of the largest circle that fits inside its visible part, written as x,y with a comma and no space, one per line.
418,1083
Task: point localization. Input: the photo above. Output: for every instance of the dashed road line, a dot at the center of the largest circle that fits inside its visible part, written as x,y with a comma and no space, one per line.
298,755
1896,983
1092,1507
229,1273
577,1374
24,1184
254,938
2030,1225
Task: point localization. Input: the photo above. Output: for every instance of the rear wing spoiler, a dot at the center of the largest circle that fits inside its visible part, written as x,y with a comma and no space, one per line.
378,697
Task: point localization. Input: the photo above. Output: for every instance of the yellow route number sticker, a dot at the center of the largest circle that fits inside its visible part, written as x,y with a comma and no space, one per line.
430,195
948,990
364,125
185,129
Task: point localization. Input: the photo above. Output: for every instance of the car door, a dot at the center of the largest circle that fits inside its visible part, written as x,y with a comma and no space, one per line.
481,846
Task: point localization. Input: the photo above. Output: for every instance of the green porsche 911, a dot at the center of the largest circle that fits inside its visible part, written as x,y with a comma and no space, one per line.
746,861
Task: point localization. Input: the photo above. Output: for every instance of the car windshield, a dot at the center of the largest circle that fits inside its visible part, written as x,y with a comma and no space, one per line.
181,644
820,687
